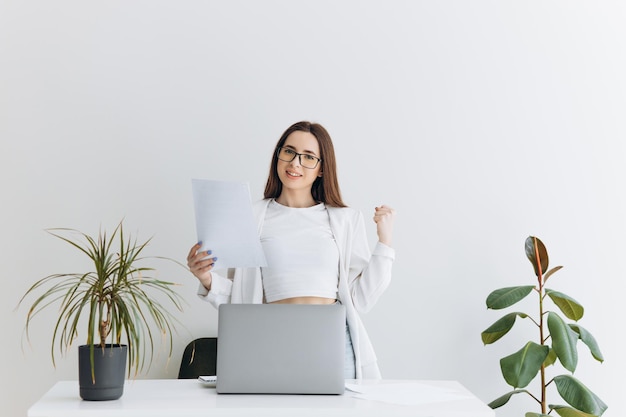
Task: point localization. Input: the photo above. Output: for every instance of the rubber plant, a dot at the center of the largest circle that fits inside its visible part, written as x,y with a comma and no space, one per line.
557,342
117,296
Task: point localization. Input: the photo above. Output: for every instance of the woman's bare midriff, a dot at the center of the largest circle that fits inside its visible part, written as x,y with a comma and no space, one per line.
305,300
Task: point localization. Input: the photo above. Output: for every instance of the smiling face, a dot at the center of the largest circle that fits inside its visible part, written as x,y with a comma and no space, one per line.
302,137
296,179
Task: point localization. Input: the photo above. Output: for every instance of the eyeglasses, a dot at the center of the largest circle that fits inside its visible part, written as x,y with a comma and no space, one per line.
306,160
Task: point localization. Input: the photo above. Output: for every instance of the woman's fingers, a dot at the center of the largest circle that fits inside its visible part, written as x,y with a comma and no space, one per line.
198,261
383,217
205,265
383,213
193,251
200,264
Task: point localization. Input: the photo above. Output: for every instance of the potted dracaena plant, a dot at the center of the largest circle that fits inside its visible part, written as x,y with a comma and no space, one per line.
557,340
121,302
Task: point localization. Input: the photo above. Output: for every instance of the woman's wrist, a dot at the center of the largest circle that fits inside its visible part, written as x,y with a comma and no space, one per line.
206,281
385,238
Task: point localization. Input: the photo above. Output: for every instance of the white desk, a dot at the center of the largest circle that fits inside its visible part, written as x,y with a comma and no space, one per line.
187,398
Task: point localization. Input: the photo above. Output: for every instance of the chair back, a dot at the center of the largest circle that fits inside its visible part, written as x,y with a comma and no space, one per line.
199,358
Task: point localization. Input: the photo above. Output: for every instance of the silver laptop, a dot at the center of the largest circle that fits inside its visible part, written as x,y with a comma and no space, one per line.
281,349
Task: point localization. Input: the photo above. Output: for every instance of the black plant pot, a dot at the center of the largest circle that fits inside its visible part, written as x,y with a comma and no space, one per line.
109,371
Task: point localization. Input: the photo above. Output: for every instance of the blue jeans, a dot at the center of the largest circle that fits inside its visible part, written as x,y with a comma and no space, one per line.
349,362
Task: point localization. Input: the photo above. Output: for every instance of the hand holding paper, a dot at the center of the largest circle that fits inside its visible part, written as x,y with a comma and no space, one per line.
225,223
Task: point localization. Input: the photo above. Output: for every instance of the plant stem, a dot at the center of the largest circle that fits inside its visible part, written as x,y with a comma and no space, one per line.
104,324
541,321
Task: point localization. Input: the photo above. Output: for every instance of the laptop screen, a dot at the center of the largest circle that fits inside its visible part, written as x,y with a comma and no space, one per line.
281,348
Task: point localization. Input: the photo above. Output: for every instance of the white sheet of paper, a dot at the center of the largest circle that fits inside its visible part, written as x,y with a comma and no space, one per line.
225,223
406,393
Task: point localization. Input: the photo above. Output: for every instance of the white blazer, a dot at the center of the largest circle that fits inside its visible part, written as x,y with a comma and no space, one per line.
363,277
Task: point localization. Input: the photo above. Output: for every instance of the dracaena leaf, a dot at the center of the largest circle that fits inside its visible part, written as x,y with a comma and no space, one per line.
521,367
500,328
579,396
588,339
506,297
570,307
534,246
563,341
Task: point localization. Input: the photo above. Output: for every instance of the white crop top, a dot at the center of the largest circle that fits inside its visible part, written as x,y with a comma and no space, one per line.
301,253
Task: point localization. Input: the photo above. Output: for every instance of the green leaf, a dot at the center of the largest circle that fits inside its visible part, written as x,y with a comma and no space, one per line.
588,340
500,401
536,415
564,411
520,368
500,328
570,307
579,396
563,341
550,272
550,359
535,247
506,297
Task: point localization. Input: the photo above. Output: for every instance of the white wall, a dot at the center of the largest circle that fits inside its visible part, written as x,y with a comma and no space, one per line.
482,122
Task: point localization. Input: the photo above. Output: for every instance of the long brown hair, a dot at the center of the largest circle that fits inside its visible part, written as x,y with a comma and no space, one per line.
325,188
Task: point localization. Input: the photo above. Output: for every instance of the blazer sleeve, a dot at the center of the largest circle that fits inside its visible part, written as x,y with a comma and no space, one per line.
369,274
221,288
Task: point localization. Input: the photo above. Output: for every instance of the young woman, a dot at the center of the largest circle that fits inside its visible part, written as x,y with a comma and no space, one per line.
316,247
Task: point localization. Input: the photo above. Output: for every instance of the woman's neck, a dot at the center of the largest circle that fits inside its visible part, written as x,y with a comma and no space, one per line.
296,200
